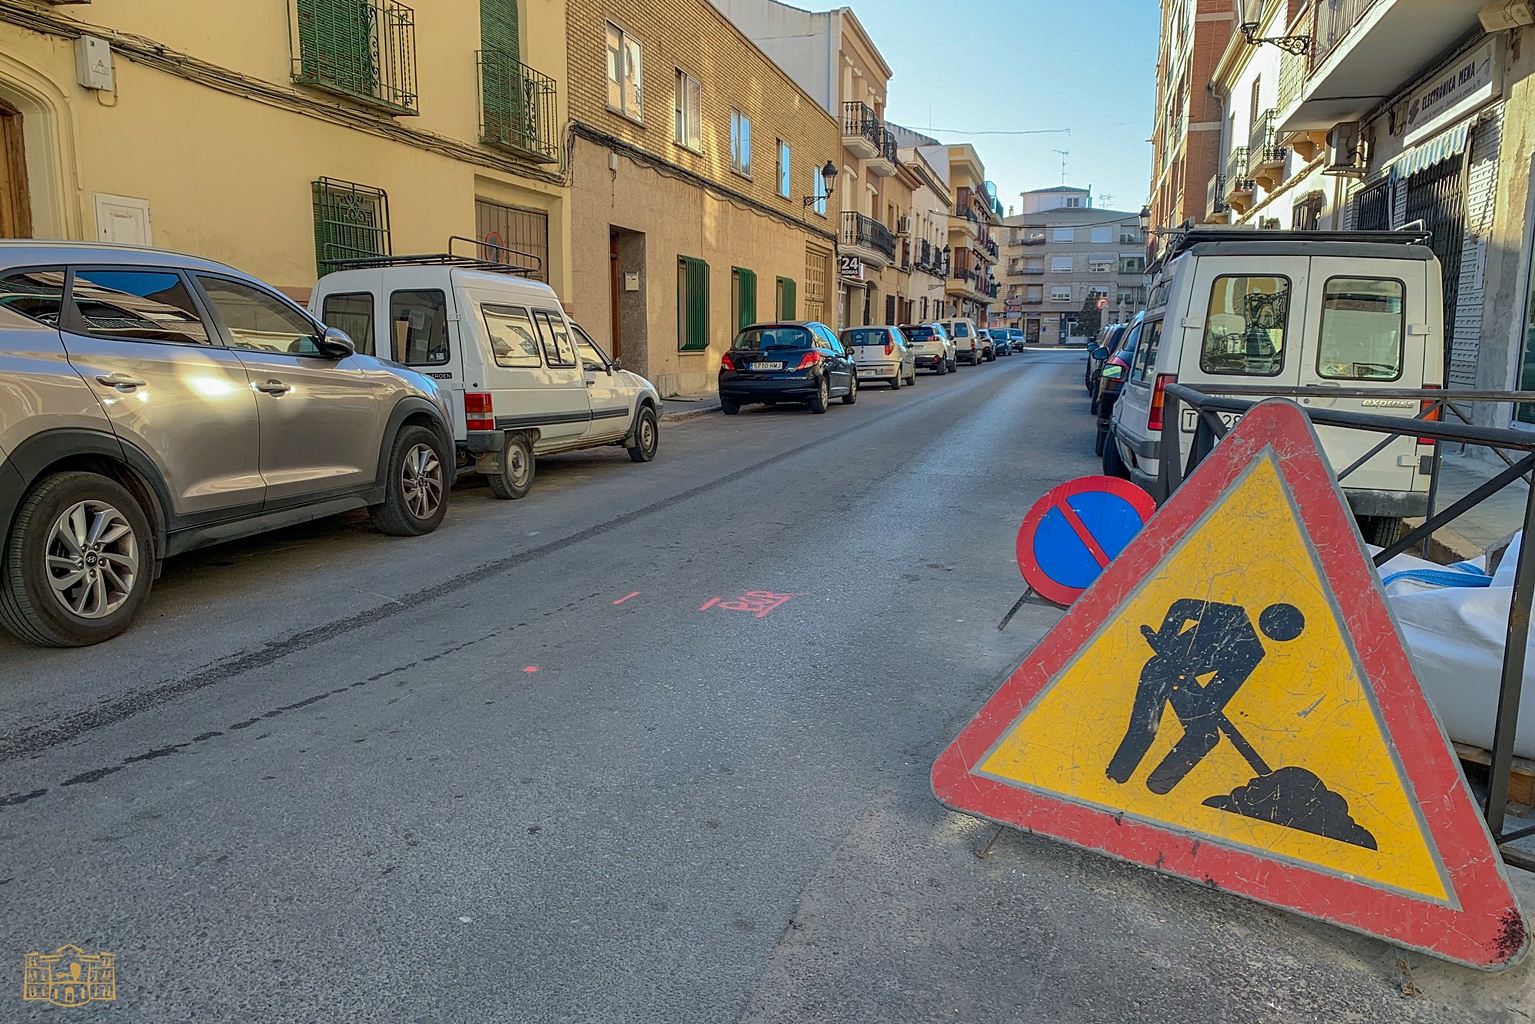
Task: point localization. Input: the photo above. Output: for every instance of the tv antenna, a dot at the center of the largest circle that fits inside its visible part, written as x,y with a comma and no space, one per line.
1064,154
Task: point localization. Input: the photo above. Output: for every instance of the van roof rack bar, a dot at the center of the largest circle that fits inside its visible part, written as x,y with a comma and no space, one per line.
450,259
1411,235
498,253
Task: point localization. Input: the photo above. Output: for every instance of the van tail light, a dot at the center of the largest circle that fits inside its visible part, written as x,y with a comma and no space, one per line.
810,359
478,414
1158,396
1430,417
726,363
889,348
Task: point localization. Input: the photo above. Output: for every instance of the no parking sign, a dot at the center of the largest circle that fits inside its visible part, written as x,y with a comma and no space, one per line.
1074,531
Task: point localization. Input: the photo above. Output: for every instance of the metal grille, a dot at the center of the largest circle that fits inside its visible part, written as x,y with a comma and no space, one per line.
692,304
350,221
1372,209
890,309
1481,203
517,106
1435,196
364,49
817,268
510,227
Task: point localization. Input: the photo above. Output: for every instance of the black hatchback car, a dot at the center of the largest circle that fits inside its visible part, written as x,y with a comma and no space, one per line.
795,361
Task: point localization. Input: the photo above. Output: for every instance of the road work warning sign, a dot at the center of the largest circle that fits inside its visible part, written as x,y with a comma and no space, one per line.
1231,703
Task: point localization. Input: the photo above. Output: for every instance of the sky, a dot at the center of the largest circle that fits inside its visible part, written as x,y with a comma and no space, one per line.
1021,65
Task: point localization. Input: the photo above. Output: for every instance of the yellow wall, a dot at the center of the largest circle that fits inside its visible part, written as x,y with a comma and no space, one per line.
229,176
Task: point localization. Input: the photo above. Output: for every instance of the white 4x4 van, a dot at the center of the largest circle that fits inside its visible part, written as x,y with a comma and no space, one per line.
967,342
1301,309
523,380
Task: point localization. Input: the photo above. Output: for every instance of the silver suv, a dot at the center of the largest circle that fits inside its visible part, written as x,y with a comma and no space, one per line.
152,403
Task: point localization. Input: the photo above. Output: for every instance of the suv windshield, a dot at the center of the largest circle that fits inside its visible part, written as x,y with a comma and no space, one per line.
866,336
920,333
760,339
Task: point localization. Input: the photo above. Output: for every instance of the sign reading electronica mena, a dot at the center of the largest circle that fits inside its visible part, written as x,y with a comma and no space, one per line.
1231,703
1466,84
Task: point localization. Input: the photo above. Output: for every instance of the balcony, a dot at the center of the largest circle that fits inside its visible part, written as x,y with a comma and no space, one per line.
867,239
1266,157
1216,210
1364,51
884,164
862,133
364,50
1033,240
1037,300
967,283
1032,271
517,110
990,247
1239,187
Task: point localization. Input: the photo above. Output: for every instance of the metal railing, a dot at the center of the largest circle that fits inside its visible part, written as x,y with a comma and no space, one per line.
350,221
1237,178
517,106
867,233
888,146
1263,148
1215,196
858,119
1209,428
362,49
1335,20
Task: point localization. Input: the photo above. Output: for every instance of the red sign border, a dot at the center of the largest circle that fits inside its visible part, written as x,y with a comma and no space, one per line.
1036,577
1486,931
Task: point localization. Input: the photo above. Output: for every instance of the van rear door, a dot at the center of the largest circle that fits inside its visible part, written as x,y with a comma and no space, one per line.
1369,329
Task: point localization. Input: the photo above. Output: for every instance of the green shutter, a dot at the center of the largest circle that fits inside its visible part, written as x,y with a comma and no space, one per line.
335,45
693,304
746,297
786,289
506,117
498,27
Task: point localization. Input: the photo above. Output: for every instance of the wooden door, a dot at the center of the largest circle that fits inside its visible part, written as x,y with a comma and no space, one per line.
15,200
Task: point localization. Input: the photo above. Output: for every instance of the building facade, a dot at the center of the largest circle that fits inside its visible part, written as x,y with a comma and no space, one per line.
928,238
1060,255
971,287
308,130
699,203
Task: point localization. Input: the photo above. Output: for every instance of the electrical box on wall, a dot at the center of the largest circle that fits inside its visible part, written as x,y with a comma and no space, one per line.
631,280
93,63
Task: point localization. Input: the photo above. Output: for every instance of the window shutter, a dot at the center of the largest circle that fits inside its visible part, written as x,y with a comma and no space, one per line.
498,27
786,288
890,309
747,300
693,321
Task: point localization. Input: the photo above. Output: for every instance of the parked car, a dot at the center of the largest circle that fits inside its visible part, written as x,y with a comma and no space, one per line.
1004,342
1109,340
988,344
1111,381
793,361
152,403
524,380
933,347
1313,309
967,342
881,353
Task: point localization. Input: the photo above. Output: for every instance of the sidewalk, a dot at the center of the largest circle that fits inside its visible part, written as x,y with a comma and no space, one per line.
679,408
1495,518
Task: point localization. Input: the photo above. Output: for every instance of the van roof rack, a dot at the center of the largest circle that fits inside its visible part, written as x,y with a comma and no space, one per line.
451,259
1413,234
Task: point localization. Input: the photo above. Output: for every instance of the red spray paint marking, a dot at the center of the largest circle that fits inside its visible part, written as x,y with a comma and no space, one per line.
531,668
758,602
621,600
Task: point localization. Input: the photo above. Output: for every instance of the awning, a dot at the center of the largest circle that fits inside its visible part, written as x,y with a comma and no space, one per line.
1441,147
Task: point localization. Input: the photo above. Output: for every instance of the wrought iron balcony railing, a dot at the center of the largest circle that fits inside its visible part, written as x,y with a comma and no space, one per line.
1263,148
1335,19
889,149
1237,178
858,119
867,233
1215,196
362,49
517,106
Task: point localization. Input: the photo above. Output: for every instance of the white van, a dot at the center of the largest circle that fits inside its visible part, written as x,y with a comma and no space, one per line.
1305,309
967,341
524,380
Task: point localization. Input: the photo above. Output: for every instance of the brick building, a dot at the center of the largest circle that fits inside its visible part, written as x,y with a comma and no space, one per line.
693,155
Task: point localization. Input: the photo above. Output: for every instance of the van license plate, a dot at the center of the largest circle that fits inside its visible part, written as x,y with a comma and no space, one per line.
1191,419
766,366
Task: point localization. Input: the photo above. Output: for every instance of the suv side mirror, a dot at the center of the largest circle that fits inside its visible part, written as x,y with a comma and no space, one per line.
1098,352
334,344
618,364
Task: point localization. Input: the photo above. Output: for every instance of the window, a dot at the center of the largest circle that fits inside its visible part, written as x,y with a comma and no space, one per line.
1103,234
136,305
558,350
760,339
741,143
514,235
258,320
784,186
1098,291
626,80
687,112
1101,264
786,298
1245,328
418,327
350,221
889,309
1062,235
1129,237
1307,215
38,294
1060,294
363,49
692,304
1073,201
1060,264
1146,355
1132,264
1363,327
352,314
512,341
818,189
593,359
743,297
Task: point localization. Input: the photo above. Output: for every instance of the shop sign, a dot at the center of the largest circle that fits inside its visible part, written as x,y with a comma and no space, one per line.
852,268
1464,86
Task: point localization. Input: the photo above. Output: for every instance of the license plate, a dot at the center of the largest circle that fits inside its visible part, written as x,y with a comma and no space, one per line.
1191,419
765,366
865,373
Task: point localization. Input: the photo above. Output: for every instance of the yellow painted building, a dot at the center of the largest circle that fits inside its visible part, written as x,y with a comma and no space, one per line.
691,160
276,135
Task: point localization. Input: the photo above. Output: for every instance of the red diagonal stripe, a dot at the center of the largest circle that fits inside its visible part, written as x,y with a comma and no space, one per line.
1083,534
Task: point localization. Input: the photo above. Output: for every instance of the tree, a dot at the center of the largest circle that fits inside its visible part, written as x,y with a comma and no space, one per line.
1089,320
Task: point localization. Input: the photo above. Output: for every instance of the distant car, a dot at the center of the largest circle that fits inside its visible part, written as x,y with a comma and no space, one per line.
881,353
793,361
1109,340
1111,381
967,342
931,346
1004,343
988,345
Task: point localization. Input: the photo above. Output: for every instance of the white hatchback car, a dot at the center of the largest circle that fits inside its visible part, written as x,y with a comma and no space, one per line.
881,353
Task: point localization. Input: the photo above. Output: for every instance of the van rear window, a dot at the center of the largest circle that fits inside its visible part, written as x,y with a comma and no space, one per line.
418,322
1245,327
1363,323
352,313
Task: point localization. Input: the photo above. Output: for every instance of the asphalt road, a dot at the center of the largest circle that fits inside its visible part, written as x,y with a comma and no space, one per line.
333,776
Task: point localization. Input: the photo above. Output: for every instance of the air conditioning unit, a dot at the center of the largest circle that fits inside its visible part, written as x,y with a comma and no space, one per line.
1345,151
903,225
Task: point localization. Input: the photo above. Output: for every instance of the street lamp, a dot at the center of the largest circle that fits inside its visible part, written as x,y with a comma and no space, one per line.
828,179
1252,15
